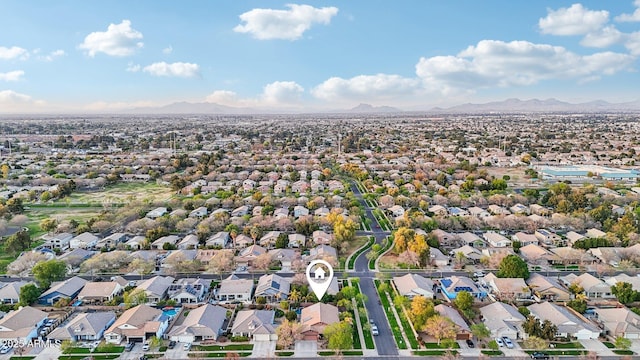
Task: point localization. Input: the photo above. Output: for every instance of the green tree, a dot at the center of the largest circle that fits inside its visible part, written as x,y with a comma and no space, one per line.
49,271
18,242
134,297
282,241
480,331
463,300
48,224
340,335
624,292
29,294
622,343
512,266
578,304
535,343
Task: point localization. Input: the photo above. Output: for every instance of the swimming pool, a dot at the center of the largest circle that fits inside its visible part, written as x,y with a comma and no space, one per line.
170,312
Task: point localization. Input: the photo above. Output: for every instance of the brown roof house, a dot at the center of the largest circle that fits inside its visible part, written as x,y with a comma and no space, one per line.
255,324
21,325
137,324
619,322
203,323
99,292
315,318
547,288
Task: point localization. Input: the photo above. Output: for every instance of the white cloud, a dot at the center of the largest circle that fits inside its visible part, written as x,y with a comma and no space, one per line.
366,87
12,75
177,69
632,43
635,17
131,67
118,40
225,97
602,38
12,52
267,24
11,101
496,63
167,50
575,20
282,92
277,93
52,55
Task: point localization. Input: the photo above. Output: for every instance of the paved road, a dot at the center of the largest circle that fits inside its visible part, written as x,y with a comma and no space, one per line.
385,343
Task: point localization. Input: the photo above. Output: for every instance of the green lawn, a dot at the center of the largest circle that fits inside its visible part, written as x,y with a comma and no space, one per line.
77,350
393,323
223,348
345,352
22,357
571,345
491,352
608,344
284,353
95,357
368,338
386,245
441,346
353,258
623,352
220,354
433,352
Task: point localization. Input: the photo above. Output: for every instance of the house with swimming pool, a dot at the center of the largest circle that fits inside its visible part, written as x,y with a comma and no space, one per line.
451,286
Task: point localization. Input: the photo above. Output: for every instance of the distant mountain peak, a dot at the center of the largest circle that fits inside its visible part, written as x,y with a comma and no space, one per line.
366,108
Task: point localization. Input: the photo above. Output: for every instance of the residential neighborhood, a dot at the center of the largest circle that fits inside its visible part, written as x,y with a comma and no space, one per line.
196,244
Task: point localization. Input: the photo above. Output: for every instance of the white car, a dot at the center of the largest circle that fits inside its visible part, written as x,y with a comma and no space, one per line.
5,349
507,342
146,346
478,274
374,330
499,342
186,346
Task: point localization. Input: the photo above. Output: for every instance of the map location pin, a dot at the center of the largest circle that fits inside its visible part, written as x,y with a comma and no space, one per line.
319,276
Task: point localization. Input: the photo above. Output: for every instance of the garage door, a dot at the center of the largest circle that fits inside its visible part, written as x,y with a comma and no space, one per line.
183,339
261,337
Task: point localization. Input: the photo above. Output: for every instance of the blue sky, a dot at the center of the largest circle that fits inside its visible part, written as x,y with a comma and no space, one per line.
314,55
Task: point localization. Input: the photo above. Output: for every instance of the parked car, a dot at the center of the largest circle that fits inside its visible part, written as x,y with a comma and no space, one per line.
470,343
374,330
478,274
539,355
507,342
5,349
186,346
172,344
499,342
129,346
146,346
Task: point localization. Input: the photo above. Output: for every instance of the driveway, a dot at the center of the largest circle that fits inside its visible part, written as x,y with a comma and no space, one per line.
596,346
263,349
306,348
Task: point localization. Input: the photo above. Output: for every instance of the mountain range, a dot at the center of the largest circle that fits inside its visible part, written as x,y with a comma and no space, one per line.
512,105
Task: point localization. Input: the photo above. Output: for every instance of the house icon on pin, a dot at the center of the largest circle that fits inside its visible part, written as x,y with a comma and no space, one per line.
319,273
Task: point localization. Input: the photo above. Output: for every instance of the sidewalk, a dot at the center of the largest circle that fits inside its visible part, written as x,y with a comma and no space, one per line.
598,347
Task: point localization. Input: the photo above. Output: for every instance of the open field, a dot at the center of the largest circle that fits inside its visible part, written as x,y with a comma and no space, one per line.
120,193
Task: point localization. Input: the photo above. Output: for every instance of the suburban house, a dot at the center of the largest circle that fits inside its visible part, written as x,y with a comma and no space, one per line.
137,325
569,256
299,211
219,239
503,320
315,318
444,238
285,257
67,289
569,324
199,212
453,285
411,285
438,258
273,287
478,212
84,327
396,211
112,240
10,291
281,213
188,242
607,255
593,287
595,233
136,242
508,288
612,280
59,241
296,240
548,237
240,211
547,288
233,289
619,322
496,240
537,255
188,291
249,254
86,240
573,236
438,210
75,258
320,237
268,240
99,292
471,239
156,288
524,239
470,254
463,332
255,324
21,325
160,242
242,241
325,252
157,212
203,323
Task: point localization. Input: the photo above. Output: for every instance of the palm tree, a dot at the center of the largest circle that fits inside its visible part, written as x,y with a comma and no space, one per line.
295,296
